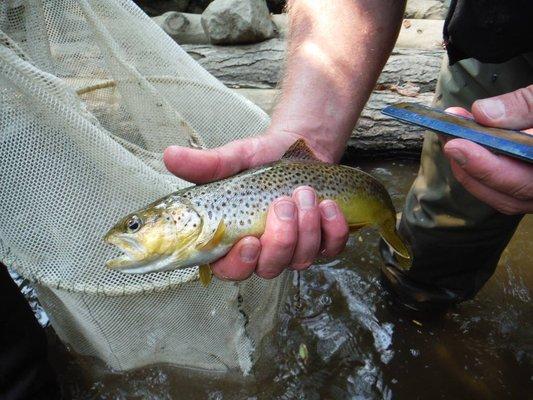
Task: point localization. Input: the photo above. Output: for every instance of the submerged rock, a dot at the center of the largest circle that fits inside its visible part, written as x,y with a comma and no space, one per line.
237,22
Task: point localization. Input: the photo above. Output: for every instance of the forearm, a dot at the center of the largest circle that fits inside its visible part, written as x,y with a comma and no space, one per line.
336,51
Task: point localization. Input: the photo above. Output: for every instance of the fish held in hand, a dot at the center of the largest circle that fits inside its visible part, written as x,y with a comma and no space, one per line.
198,225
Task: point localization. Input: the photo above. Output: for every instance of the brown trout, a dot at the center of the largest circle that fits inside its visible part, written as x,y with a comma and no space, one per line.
199,224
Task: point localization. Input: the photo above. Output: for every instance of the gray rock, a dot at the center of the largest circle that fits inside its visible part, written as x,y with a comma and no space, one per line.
237,22
182,27
425,9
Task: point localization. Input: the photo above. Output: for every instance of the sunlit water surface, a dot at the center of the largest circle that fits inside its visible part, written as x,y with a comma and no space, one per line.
359,346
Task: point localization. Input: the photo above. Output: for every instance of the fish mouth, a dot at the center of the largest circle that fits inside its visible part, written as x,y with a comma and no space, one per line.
135,259
134,254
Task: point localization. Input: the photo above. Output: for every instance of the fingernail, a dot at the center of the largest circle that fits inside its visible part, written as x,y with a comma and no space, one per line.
249,253
306,198
458,156
329,211
492,108
285,210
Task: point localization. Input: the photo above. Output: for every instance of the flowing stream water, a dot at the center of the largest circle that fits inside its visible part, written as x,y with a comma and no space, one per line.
341,337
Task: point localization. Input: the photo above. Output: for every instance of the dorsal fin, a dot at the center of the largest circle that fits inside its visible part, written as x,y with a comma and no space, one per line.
300,151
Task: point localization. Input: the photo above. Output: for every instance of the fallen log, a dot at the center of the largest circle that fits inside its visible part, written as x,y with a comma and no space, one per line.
378,132
260,65
374,132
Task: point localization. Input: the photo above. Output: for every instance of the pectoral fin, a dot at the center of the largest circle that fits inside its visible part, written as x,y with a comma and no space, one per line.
214,240
205,274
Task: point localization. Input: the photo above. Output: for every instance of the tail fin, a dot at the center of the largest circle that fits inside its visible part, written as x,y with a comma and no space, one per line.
389,233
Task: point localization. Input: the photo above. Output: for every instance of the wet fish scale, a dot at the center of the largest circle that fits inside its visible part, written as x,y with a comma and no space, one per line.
238,199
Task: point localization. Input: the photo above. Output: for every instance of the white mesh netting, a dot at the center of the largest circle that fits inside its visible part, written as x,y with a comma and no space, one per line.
91,92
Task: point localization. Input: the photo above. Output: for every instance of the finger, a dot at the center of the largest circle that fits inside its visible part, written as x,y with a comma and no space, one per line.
512,110
497,200
201,166
280,237
308,244
503,174
334,228
459,111
240,262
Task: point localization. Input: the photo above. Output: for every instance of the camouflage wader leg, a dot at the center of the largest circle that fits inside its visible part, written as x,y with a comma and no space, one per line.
456,239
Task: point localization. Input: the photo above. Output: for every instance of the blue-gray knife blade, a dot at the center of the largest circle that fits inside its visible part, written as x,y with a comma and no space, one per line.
512,143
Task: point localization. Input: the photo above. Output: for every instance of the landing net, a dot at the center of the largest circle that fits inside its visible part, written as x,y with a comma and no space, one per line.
91,93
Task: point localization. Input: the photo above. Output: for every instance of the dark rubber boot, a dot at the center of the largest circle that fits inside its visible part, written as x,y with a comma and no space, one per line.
412,296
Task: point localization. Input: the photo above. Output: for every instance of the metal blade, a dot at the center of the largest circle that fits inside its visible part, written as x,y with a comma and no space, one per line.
512,143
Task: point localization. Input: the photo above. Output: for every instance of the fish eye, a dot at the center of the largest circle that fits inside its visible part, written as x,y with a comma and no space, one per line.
133,224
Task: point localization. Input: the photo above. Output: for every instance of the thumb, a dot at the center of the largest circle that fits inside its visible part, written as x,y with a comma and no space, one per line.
512,110
202,166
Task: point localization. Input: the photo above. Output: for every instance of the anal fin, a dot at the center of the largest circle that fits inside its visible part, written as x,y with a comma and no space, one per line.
205,274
